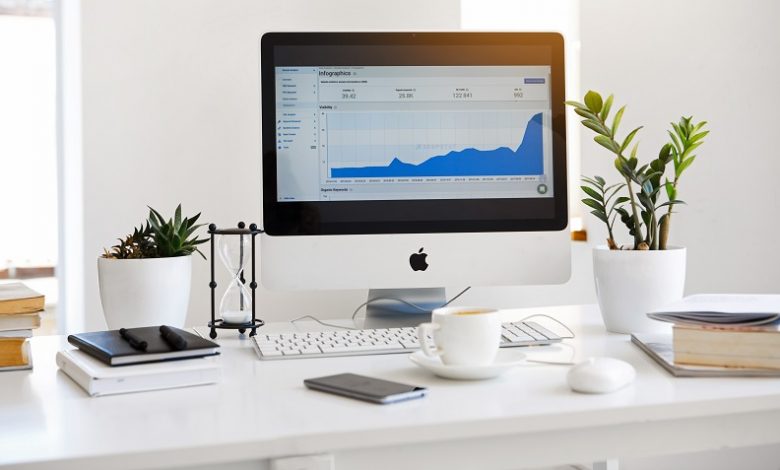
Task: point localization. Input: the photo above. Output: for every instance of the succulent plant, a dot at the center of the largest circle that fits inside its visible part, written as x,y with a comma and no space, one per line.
136,245
174,237
160,238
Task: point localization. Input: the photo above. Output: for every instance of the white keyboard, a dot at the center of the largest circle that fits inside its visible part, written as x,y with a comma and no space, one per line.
378,341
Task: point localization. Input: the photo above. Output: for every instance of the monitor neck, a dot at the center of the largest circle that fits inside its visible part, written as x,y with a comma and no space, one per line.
385,311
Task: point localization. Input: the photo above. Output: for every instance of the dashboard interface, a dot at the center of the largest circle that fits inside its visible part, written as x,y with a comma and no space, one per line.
367,133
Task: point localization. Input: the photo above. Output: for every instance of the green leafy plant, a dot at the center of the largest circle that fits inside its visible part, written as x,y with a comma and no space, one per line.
639,210
160,238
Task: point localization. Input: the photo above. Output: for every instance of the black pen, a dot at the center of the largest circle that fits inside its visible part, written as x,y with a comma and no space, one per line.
135,341
173,338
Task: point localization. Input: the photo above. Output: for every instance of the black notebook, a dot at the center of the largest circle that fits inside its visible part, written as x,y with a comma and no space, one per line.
110,348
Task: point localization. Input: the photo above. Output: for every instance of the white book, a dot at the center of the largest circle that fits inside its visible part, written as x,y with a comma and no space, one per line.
20,321
98,379
16,334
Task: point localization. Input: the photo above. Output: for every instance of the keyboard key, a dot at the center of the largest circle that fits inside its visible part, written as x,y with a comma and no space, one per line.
531,332
547,333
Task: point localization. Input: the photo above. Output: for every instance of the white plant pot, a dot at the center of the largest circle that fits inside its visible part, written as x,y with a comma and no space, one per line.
631,283
145,292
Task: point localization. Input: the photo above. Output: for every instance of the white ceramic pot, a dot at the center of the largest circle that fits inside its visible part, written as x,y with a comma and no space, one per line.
631,283
145,292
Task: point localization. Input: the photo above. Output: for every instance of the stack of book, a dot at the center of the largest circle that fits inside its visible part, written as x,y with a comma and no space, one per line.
727,331
139,359
20,309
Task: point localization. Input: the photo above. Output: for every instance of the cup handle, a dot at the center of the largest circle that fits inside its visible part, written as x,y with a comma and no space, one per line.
426,346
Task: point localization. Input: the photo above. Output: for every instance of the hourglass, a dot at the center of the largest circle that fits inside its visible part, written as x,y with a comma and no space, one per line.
235,308
236,249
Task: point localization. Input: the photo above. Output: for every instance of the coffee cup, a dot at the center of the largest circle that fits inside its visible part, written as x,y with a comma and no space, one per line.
462,336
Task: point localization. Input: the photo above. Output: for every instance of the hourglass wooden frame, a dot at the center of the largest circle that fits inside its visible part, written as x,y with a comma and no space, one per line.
218,323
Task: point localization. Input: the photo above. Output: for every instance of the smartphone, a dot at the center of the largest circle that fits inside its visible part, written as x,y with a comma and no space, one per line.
365,388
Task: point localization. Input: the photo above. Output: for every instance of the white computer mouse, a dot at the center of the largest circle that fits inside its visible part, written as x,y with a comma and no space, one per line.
600,375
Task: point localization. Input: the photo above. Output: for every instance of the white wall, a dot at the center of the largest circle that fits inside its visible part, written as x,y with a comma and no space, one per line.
719,61
171,114
531,15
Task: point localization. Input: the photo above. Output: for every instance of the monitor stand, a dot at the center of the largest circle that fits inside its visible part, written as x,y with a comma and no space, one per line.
381,312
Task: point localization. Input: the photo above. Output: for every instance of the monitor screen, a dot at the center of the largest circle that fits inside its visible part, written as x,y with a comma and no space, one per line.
357,133
412,132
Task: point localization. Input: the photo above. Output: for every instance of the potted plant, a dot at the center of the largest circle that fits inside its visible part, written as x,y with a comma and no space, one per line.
145,279
648,273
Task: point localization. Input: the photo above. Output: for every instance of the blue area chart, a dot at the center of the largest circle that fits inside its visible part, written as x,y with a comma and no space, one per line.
527,159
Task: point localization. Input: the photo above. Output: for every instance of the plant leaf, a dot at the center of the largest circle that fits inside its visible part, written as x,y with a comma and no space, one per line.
670,191
690,149
605,110
595,127
676,143
593,204
628,138
576,104
669,203
607,143
685,164
698,136
591,182
586,114
617,119
699,126
593,101
593,193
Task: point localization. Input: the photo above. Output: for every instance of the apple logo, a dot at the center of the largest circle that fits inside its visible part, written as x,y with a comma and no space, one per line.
417,261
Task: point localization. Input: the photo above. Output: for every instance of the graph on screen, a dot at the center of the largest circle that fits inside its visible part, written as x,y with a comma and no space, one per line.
409,145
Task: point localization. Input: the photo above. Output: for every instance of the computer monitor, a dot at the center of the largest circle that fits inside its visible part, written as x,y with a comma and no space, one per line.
413,161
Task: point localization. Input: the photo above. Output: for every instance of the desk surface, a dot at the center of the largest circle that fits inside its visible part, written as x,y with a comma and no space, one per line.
261,410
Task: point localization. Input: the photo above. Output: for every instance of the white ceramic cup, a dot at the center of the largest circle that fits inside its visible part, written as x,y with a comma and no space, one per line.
462,336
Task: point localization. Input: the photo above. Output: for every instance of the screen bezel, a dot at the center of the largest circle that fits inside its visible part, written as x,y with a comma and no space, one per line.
413,216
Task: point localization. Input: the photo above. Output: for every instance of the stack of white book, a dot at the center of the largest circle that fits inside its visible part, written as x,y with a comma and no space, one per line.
139,359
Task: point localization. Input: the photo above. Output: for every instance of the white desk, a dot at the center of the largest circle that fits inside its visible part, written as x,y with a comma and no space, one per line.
261,410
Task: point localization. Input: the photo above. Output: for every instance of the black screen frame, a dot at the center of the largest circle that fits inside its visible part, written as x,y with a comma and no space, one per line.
412,216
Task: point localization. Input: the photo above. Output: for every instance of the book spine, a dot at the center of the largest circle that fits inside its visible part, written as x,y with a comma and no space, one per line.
727,343
172,379
97,353
720,360
75,373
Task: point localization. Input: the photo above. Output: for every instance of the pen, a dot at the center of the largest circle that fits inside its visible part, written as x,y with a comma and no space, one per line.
174,339
135,341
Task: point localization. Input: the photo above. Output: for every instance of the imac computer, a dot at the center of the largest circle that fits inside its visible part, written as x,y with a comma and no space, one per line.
406,162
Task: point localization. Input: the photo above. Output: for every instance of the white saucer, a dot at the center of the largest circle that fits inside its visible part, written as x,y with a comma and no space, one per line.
505,360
